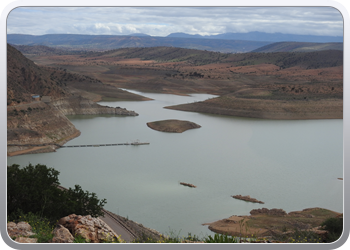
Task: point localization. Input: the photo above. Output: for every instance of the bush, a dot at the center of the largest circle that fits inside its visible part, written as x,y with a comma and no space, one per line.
334,226
35,189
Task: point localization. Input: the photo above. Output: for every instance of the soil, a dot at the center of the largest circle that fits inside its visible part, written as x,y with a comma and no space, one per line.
173,126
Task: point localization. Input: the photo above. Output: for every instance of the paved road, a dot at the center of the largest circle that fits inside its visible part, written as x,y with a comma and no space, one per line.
117,227
113,222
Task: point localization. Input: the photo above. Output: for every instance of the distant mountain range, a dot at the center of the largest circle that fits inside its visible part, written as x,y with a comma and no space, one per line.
108,42
227,42
299,47
266,37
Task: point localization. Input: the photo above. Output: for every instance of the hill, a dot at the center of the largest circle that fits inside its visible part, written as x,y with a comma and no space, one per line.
25,78
263,36
108,42
299,47
274,85
307,60
39,126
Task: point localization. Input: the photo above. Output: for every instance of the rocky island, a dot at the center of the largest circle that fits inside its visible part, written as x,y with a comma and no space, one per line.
246,198
172,125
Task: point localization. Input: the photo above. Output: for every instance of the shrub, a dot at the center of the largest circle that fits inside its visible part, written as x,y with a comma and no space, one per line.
35,189
42,227
220,238
334,226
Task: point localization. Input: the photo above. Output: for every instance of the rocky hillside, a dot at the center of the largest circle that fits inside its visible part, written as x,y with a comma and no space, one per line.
83,106
35,126
25,78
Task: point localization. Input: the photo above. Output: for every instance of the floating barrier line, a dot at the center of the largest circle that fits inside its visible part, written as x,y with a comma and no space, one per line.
106,145
80,146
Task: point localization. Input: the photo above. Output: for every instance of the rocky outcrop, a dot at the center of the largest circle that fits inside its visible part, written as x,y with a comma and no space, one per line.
83,106
93,230
20,232
40,123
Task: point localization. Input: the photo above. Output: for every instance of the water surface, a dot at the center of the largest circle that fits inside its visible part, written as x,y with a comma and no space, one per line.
286,164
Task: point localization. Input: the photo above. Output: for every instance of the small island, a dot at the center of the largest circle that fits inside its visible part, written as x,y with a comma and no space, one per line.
188,184
172,125
246,198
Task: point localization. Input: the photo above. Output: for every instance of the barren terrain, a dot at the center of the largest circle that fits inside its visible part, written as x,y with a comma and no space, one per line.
263,85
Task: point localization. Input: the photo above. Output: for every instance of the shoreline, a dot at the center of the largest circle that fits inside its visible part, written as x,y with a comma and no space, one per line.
268,222
42,149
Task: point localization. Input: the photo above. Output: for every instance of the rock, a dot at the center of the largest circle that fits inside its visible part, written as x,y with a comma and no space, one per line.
62,235
26,240
91,229
19,229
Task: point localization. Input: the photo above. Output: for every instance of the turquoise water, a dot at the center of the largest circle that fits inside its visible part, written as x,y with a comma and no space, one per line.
286,164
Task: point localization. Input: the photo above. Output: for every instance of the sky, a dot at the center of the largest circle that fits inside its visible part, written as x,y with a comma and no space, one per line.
161,21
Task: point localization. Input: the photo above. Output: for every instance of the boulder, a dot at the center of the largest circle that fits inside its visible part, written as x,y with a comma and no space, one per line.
93,230
20,229
62,235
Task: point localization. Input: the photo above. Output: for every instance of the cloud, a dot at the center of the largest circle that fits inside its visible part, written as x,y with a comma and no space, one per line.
161,21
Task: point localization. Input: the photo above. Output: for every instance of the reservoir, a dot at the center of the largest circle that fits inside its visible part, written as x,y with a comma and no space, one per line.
287,164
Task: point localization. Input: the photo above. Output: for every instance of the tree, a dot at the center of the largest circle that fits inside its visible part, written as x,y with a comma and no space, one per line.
35,189
83,203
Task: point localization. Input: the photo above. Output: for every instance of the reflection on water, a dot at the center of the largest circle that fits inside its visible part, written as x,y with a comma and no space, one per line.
286,164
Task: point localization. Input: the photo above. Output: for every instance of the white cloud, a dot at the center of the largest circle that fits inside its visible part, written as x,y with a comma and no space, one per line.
161,21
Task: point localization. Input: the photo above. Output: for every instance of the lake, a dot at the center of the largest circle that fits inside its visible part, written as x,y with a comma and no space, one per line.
288,164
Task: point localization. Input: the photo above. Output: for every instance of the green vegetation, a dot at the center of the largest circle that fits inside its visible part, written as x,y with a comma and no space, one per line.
34,189
334,226
220,238
41,226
